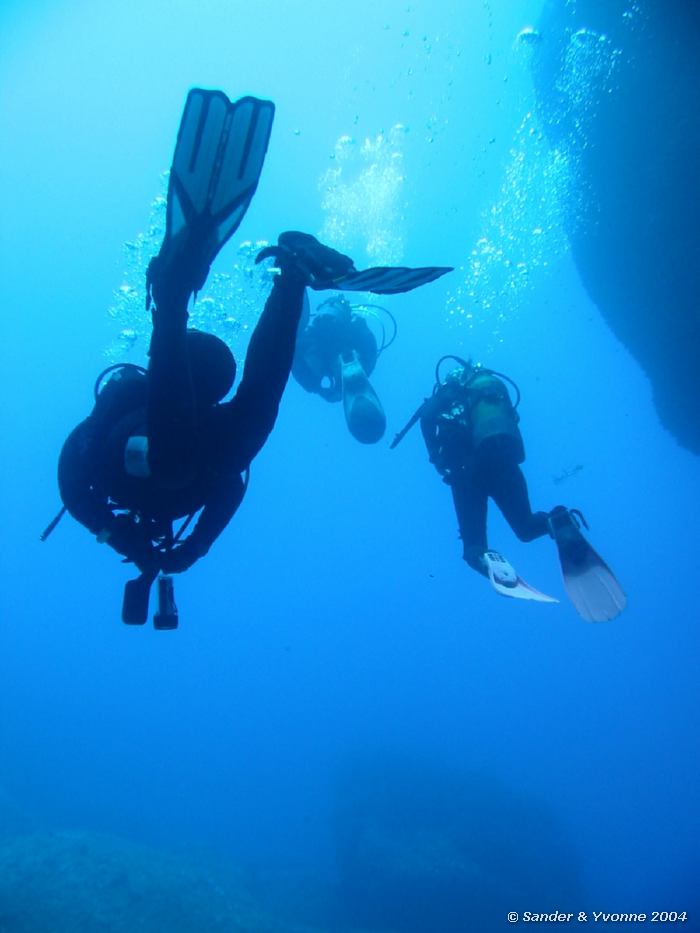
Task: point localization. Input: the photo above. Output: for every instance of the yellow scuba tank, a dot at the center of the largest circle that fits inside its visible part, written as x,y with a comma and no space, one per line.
492,413
470,409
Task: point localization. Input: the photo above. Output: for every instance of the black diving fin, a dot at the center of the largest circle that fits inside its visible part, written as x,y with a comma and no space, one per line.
219,155
326,268
591,585
389,280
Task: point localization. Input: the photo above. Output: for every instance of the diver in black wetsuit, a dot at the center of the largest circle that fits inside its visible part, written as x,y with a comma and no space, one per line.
336,353
162,445
470,428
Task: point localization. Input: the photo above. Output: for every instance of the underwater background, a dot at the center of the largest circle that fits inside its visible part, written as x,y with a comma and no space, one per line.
350,730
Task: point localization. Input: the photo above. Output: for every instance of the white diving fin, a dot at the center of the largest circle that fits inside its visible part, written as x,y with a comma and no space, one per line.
505,580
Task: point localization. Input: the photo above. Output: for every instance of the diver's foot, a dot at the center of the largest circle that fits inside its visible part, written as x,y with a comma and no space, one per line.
564,526
302,255
171,280
363,411
497,568
561,522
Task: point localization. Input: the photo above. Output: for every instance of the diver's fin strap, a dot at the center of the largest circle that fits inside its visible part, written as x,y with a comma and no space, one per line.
561,518
389,280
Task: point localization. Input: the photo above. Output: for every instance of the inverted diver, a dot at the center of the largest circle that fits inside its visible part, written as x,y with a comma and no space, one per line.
162,445
336,353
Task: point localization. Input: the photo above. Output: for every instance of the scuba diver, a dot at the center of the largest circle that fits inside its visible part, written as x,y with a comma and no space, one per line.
470,428
161,445
335,355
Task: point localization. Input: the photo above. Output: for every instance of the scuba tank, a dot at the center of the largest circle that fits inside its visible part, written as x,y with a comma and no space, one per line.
120,393
492,413
476,400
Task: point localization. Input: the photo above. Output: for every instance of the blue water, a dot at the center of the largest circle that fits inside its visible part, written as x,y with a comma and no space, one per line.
334,620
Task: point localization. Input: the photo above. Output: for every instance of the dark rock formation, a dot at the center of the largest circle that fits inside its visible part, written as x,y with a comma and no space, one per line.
78,881
618,86
421,848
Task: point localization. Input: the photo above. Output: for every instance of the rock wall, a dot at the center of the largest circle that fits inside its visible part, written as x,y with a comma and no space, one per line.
618,88
423,848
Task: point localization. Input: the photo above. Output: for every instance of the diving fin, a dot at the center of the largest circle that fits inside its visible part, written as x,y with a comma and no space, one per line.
364,414
505,580
590,583
217,163
389,280
326,268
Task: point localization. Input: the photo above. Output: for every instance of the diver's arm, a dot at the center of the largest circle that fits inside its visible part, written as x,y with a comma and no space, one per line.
251,414
218,511
271,348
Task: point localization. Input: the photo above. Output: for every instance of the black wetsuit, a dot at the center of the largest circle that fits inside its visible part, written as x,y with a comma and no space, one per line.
332,336
195,457
477,472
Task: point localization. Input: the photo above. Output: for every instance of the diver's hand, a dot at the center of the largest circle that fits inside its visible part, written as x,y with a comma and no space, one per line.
131,539
149,562
126,536
178,559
